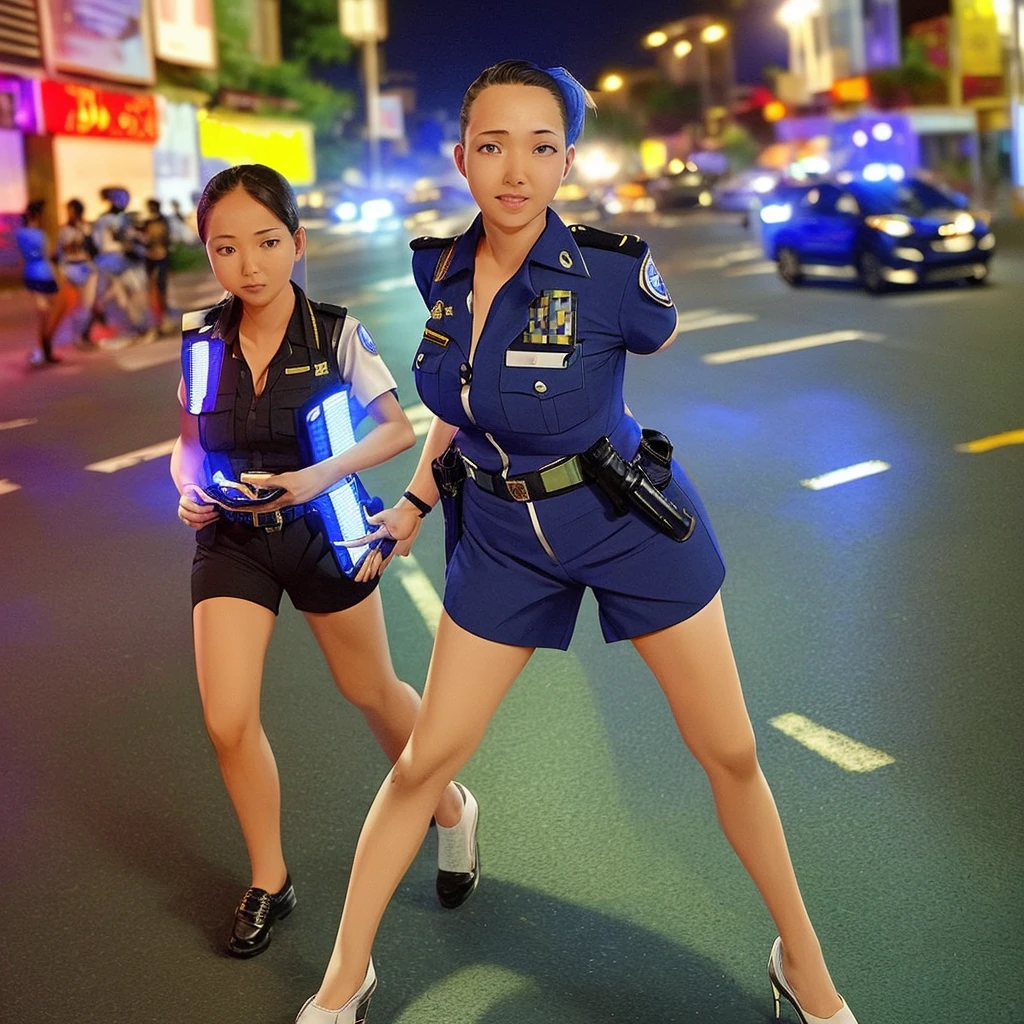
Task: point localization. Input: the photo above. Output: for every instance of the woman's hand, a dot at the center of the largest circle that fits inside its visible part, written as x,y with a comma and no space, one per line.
401,524
300,486
193,511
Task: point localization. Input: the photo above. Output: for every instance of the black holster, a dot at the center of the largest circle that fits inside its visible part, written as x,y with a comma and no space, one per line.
639,484
450,476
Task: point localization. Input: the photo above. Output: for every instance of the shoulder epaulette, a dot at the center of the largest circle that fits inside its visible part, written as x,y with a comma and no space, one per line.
595,238
331,309
429,242
199,318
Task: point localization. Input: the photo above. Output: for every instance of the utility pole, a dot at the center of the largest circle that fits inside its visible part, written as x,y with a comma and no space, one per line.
366,22
1016,81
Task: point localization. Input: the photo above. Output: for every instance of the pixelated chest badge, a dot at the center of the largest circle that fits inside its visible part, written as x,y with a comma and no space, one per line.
652,282
552,319
366,341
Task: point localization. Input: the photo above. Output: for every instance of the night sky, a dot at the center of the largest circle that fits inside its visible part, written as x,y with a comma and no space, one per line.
448,44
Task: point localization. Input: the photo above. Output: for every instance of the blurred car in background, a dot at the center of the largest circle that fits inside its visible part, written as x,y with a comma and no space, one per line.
777,210
883,232
437,208
629,197
576,204
681,189
743,192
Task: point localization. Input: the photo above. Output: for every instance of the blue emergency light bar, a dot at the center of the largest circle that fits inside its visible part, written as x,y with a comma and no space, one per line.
202,357
328,429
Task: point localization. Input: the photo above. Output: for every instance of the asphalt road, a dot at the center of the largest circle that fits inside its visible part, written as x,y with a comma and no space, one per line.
886,609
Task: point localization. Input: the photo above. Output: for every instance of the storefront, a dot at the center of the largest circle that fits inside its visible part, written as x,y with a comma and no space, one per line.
94,138
176,155
17,120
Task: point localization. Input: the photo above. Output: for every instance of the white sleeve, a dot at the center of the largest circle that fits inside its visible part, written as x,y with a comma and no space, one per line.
361,365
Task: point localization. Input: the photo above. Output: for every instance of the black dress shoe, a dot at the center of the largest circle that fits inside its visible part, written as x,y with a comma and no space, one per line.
458,855
255,917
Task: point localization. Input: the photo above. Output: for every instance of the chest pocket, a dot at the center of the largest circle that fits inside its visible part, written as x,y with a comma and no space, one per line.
426,366
545,399
289,393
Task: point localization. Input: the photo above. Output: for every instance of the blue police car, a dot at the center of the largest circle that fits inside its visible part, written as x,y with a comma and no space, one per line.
884,233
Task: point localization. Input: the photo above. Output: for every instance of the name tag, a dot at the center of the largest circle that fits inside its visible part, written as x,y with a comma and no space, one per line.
542,357
296,369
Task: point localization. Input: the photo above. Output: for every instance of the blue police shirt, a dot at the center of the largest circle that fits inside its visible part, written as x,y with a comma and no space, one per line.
546,377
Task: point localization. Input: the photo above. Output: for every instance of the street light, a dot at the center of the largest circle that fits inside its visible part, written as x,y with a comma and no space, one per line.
366,22
713,34
655,39
612,83
682,48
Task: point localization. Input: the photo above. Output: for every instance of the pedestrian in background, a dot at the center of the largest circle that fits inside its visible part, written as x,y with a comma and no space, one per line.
156,235
74,257
522,363
282,352
112,237
39,278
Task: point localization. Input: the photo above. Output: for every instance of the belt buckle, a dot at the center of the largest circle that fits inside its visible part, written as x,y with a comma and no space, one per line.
518,490
278,523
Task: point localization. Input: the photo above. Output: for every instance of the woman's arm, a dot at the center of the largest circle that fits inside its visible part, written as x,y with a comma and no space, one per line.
187,470
439,436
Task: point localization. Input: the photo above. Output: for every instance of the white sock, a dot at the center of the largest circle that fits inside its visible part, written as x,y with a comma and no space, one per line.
456,845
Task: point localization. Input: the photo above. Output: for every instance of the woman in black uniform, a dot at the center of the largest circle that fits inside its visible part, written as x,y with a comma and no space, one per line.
280,350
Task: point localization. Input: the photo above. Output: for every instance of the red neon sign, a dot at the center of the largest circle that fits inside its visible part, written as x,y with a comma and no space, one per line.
83,110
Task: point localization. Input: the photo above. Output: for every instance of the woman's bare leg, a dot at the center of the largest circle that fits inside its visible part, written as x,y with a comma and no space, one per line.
231,639
694,665
355,644
466,682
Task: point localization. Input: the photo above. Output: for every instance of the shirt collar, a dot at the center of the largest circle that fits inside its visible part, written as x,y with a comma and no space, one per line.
556,248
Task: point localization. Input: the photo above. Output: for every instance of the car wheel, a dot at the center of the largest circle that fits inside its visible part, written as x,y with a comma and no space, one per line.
789,266
869,266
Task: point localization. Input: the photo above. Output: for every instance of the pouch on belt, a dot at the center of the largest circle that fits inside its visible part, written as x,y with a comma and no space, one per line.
450,476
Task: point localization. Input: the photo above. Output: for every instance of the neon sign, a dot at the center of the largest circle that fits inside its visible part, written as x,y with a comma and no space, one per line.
83,110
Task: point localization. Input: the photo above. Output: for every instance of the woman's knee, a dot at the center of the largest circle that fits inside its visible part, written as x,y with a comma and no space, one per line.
734,759
230,729
414,771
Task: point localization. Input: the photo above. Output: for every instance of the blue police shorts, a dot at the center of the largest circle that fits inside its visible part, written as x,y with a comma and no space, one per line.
42,287
236,560
501,584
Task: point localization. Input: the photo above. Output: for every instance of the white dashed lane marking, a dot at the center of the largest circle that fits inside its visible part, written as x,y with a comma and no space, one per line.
154,451
9,487
775,348
701,319
845,475
764,267
849,754
14,424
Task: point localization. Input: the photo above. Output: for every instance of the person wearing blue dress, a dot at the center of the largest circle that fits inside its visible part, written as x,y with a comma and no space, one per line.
38,277
522,362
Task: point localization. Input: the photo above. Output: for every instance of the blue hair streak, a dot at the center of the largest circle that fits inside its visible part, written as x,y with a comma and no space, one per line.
577,102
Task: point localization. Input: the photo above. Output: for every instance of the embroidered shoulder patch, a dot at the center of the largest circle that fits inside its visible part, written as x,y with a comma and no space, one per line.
366,341
652,282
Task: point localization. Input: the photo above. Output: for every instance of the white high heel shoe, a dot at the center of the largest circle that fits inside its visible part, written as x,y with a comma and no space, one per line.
353,1012
844,1015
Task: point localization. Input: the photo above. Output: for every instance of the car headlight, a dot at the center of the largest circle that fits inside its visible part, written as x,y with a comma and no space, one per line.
377,209
891,224
346,211
762,184
904,252
963,224
776,213
988,242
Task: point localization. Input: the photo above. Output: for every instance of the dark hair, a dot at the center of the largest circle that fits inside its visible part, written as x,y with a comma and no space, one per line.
118,197
33,211
259,182
77,207
573,100
153,205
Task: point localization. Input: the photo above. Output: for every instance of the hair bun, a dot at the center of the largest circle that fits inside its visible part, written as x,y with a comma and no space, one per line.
577,102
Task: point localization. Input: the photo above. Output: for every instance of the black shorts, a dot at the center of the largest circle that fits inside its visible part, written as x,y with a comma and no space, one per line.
42,287
235,560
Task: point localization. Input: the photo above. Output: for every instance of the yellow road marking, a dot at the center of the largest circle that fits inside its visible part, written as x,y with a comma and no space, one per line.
986,444
849,754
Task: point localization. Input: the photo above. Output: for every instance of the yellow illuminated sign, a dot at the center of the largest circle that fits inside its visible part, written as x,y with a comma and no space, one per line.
653,155
977,27
287,146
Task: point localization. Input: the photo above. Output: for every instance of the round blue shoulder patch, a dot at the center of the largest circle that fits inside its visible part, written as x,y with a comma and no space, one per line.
652,282
366,341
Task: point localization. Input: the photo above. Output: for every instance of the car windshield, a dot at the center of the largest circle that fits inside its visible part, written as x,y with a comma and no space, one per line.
910,198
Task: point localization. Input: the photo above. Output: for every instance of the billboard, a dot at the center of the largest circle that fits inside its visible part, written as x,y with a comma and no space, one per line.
184,32
82,110
100,38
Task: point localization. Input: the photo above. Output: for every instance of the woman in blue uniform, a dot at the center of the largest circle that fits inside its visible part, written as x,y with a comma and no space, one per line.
280,352
522,364
38,277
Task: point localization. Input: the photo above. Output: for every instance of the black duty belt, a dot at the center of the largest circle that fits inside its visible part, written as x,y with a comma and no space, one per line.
269,521
557,478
